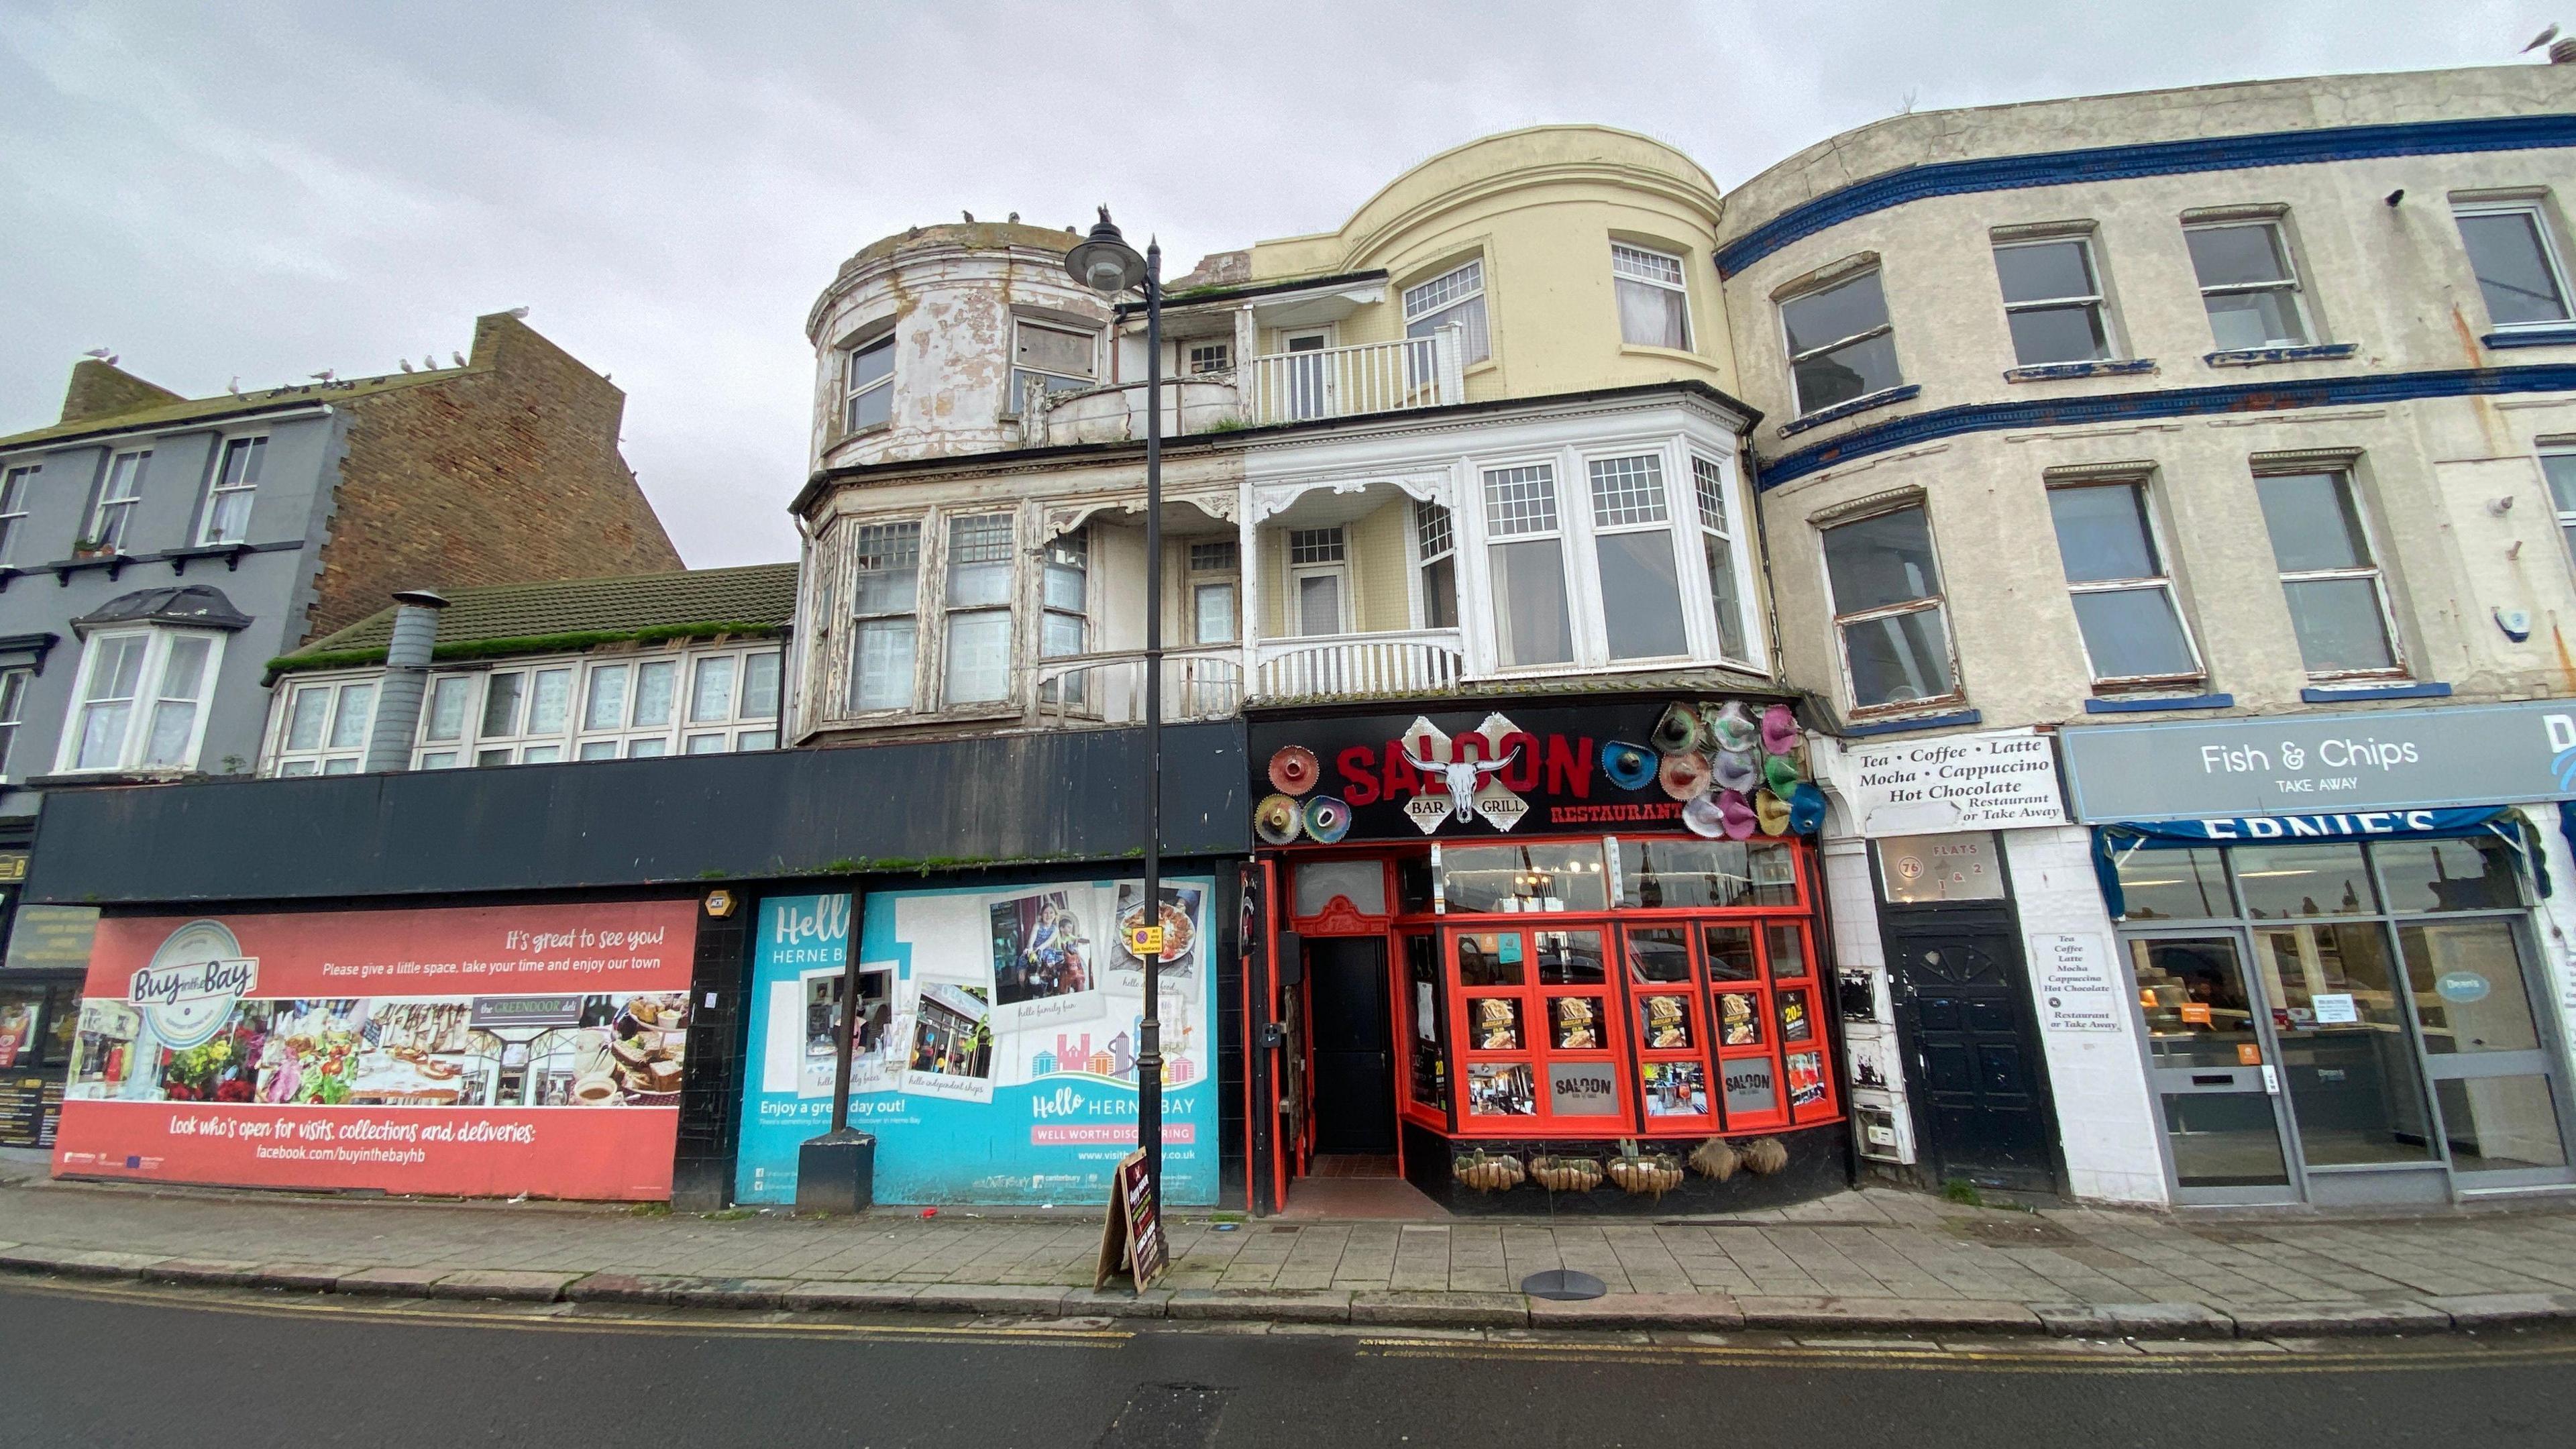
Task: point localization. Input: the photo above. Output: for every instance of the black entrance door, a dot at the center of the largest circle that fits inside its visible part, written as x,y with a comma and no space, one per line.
1965,1017
1354,1047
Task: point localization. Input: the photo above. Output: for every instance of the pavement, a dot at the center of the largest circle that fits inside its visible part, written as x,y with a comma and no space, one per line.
1869,1260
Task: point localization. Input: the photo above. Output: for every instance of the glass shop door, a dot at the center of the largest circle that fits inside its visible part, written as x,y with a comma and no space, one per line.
2211,1061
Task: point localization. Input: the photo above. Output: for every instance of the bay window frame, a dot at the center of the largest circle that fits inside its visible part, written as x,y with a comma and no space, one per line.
854,390
159,642
950,609
346,705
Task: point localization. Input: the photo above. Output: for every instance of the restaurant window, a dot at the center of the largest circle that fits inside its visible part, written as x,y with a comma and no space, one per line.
1319,580
1841,346
1527,558
1058,358
1535,877
1632,537
229,491
1435,541
882,603
13,711
1667,873
1216,583
2338,599
14,488
325,731
1426,1010
1454,298
139,701
867,384
118,492
1717,549
2053,301
2175,885
1654,299
1889,612
2248,284
2118,581
979,609
2516,263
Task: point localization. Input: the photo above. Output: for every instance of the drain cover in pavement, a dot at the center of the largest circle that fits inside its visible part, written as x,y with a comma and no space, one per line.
1166,1416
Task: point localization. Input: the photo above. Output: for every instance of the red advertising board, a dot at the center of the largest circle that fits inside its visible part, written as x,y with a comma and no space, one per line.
483,1051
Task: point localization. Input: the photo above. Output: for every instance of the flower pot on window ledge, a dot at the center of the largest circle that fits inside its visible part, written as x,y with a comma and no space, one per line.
89,548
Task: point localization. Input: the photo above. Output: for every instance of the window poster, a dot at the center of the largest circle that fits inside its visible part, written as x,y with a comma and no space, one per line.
996,1053
479,1051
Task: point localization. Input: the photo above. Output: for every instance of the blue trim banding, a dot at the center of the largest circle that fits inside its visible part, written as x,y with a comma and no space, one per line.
2154,158
2258,356
2179,402
2428,690
2531,337
1918,722
2135,704
1884,397
2054,371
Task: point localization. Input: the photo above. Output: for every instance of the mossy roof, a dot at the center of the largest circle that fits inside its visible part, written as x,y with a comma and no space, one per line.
759,594
213,409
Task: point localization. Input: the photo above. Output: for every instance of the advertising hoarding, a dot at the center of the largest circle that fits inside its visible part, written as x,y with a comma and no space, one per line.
996,1040
482,1051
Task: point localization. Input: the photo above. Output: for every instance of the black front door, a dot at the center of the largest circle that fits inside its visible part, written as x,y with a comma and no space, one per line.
1965,1018
1354,1047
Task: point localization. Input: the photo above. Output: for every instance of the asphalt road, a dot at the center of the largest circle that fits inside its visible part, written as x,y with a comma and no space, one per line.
127,1366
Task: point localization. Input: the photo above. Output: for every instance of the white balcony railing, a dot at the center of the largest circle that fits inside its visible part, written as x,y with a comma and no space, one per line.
1340,382
1398,662
1202,682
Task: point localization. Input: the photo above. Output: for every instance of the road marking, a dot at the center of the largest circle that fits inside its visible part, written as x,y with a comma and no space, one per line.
2001,1359
535,1317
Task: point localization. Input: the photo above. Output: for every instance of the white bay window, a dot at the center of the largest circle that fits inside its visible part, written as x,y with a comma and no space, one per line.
1641,591
979,609
325,730
140,700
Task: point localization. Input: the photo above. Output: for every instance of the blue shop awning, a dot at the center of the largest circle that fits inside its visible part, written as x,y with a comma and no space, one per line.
2119,840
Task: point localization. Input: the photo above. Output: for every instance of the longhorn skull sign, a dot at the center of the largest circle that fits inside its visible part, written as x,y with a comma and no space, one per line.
1462,778
1472,789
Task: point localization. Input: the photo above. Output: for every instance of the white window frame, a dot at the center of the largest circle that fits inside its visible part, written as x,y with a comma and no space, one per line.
2564,509
1938,601
157,646
1435,528
740,726
1671,524
1204,357
1712,482
1632,273
1338,566
949,610
110,532
1204,571
337,697
2099,299
2375,571
14,684
867,538
2541,229
16,482
1020,372
221,487
2291,282
1428,302
852,390
1789,347
2161,581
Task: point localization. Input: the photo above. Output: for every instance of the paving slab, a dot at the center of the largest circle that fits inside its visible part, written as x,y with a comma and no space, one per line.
990,1299
317,1277
849,1295
514,1284
2486,1310
204,1272
2133,1320
1699,1311
1800,1313
1119,1302
2320,1320
393,1282
1441,1310
1321,1305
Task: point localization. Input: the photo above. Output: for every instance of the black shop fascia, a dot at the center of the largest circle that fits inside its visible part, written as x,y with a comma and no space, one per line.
1527,951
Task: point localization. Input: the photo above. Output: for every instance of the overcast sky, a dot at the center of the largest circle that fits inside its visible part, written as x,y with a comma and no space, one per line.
264,190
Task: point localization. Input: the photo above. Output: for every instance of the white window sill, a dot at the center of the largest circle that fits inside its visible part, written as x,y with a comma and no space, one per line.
1669,354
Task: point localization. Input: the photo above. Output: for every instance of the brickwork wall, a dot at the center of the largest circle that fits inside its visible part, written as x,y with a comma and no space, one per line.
507,472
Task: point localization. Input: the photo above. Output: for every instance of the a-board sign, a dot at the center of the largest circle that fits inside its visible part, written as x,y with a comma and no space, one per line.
1132,1239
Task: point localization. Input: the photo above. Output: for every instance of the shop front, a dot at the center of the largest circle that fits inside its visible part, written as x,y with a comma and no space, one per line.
1545,956
43,952
2345,942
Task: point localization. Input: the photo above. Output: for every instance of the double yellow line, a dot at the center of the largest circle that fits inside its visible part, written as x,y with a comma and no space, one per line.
2000,1358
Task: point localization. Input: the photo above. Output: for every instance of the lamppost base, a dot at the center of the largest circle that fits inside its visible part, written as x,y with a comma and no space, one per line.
836,1172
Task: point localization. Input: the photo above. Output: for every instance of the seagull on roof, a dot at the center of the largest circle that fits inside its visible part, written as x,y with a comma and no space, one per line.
519,312
406,363
457,357
325,375
101,353
2543,38
234,386
429,361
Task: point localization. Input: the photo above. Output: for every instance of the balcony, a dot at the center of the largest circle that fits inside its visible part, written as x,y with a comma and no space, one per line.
1201,682
1341,382
1116,413
1358,666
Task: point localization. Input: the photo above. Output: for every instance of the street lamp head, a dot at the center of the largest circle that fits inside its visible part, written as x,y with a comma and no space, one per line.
1104,262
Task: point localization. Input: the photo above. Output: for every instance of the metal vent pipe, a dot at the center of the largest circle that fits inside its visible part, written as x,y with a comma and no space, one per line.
406,680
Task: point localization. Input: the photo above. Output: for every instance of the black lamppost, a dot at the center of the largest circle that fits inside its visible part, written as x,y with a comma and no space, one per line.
1105,263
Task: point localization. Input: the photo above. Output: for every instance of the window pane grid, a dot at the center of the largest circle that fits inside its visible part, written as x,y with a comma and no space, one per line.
1520,501
1628,491
1444,290
228,500
1213,558
1434,533
13,506
1641,265
1710,481
1316,545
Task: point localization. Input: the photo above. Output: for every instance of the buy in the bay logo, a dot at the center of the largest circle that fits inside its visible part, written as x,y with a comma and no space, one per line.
189,990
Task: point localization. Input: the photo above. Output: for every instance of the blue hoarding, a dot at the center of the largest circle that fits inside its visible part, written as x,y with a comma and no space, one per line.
995,1057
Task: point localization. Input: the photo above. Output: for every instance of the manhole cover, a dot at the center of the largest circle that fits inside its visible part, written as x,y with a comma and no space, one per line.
2015,1232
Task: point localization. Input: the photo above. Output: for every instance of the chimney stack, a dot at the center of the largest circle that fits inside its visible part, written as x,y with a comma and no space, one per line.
406,680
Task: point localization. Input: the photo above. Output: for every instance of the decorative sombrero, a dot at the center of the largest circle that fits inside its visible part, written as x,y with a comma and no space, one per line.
1738,770
1806,809
1771,813
1780,772
1678,731
1630,767
1328,818
1276,820
1705,816
1293,770
1683,775
1732,728
1779,729
1737,813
